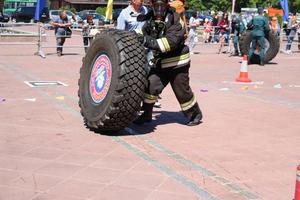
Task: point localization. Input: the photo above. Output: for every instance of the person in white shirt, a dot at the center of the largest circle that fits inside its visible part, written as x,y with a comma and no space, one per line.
127,19
193,38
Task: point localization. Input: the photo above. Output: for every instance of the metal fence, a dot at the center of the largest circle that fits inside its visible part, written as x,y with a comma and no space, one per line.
11,34
38,36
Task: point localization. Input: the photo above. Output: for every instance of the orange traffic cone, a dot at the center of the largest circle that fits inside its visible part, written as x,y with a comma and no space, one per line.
297,189
243,77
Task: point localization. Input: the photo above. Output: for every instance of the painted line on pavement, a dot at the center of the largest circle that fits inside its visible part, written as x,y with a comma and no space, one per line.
165,169
20,75
232,187
229,185
182,179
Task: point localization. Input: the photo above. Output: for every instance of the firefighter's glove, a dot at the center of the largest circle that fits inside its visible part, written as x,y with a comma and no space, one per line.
145,40
148,41
140,38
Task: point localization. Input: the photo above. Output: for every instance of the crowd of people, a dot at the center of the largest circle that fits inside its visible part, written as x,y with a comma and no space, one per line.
215,28
292,27
62,28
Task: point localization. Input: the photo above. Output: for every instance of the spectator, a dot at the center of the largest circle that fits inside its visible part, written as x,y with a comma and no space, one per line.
207,30
216,29
127,19
293,26
178,5
298,31
62,30
1,15
194,22
224,27
286,27
243,20
274,25
88,24
237,28
228,29
74,22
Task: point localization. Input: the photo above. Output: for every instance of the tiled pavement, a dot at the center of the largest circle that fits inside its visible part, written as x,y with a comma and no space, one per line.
247,147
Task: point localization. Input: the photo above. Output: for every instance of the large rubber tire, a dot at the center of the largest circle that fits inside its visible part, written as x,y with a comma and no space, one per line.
112,81
272,46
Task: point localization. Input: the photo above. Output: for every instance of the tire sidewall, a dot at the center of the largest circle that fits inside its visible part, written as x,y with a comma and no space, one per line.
245,42
274,46
94,110
271,52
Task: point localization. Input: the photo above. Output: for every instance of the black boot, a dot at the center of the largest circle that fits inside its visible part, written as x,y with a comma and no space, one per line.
196,120
194,115
262,63
146,116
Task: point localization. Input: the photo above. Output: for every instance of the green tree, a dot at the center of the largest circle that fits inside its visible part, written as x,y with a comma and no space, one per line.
294,5
68,8
195,5
101,10
223,5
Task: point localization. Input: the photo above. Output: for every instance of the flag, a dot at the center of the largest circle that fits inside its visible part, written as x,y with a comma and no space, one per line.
40,5
108,13
285,7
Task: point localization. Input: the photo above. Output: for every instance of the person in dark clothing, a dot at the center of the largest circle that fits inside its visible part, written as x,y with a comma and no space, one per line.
237,27
260,26
163,35
216,29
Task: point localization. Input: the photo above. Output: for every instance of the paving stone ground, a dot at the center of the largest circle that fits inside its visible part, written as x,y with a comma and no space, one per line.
246,148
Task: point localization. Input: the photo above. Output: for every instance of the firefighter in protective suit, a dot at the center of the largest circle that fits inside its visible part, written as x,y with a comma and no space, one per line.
169,60
260,26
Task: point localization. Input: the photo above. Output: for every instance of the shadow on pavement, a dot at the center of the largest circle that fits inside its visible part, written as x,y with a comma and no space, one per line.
160,118
271,63
64,54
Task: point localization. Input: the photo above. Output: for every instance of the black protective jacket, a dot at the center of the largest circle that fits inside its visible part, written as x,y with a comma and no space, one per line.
166,39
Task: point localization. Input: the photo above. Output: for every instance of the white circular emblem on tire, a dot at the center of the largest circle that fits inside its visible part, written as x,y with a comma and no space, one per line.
100,78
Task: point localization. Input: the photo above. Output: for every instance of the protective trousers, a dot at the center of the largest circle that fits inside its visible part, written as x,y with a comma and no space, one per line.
261,43
179,80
